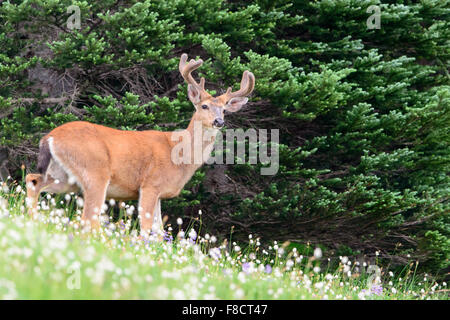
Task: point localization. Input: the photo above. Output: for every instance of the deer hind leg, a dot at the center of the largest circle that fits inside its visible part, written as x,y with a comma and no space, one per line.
88,166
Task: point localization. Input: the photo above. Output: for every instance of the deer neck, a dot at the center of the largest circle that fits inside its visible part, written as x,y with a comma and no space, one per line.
193,146
202,140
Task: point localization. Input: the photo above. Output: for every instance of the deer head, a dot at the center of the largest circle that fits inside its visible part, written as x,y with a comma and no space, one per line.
209,109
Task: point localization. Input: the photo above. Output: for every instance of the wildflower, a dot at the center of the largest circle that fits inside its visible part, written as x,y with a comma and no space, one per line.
239,293
319,285
215,253
179,221
80,202
167,237
193,234
318,253
241,277
8,290
362,295
246,267
268,269
227,272
289,263
376,289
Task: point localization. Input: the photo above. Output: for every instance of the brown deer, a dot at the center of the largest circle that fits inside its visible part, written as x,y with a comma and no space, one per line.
105,163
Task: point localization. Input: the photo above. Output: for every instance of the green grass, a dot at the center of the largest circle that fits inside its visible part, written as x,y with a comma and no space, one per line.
53,257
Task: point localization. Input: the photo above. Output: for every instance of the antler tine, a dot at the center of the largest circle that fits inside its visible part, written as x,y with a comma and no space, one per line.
247,86
186,69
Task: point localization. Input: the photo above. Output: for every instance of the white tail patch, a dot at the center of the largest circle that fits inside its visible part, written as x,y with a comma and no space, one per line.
72,179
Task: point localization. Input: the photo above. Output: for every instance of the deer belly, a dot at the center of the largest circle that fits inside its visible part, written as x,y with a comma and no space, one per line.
172,190
117,192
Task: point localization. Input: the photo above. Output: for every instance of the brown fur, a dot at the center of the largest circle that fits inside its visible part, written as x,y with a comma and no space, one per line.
125,165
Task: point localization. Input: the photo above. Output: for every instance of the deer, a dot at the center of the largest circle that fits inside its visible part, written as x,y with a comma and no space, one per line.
105,163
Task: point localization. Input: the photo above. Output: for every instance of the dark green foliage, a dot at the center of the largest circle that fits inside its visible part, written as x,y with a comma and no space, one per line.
363,114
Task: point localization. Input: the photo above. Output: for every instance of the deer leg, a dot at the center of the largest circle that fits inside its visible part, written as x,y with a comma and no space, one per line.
34,184
94,198
157,220
148,206
38,183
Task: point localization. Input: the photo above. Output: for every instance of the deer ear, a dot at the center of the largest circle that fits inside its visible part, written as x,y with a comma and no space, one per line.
193,94
235,104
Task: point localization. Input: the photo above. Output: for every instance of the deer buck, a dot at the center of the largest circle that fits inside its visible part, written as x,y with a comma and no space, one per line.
105,163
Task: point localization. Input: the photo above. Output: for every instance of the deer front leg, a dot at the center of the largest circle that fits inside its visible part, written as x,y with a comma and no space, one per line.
148,206
37,183
94,198
157,220
34,184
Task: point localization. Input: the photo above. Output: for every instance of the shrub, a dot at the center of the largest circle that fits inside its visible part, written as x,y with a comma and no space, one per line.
363,114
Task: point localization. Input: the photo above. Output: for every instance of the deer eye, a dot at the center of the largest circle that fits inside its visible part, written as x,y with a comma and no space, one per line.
204,106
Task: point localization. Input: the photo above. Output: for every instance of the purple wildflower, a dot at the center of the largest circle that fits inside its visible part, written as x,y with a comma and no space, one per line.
215,253
246,268
268,269
376,289
193,234
167,237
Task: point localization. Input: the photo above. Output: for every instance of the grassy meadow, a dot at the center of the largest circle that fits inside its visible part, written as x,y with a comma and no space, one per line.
54,257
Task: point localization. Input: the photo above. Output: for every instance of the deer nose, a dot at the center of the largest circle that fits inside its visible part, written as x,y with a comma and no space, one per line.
218,122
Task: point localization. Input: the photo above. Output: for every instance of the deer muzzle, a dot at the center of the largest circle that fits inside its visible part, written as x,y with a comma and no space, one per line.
218,122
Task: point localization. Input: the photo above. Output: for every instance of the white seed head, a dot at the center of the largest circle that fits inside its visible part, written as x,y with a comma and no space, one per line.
318,253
